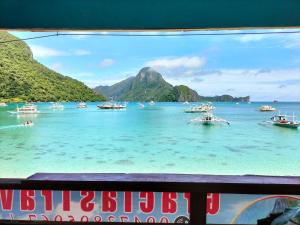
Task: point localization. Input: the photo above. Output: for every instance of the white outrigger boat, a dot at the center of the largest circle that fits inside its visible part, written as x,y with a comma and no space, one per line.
201,108
282,121
81,105
151,103
112,106
26,109
209,119
57,105
141,105
266,108
3,104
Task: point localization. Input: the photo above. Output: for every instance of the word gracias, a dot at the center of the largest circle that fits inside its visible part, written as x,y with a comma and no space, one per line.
109,201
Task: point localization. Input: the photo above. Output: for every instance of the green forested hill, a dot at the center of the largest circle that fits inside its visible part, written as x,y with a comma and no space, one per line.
184,93
225,98
117,90
23,79
149,85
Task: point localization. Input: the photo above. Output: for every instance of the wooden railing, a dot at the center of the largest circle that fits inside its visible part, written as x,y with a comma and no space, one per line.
197,185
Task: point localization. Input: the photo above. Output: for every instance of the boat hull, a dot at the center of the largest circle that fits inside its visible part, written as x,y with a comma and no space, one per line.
23,113
268,110
207,123
29,112
187,111
287,125
111,107
195,111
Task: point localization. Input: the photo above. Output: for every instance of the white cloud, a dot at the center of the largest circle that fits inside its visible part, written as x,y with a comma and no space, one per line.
261,85
177,67
85,74
250,37
106,62
292,41
92,83
42,51
80,35
56,66
174,63
286,40
81,52
255,36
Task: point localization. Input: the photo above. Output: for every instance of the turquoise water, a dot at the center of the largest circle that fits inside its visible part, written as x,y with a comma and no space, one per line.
156,139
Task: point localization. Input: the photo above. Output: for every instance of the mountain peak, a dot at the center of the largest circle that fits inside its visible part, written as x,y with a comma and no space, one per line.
148,74
146,69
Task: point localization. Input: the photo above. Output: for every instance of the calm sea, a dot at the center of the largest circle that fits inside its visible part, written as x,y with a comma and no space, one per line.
156,139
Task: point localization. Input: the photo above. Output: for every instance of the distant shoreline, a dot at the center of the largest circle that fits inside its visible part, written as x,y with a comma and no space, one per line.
24,102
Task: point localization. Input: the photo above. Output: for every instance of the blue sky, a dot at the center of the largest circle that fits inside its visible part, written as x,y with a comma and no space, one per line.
264,66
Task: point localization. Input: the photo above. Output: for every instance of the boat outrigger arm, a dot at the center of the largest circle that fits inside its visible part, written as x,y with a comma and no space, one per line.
211,121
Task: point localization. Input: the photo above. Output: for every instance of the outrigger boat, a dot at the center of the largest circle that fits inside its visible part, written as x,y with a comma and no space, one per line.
267,108
82,105
141,105
26,109
28,124
201,108
112,106
209,119
57,105
3,104
151,103
282,121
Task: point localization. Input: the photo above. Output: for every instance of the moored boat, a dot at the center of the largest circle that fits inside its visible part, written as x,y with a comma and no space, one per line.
81,105
209,119
266,108
26,109
112,106
282,121
141,105
28,124
201,108
151,103
57,105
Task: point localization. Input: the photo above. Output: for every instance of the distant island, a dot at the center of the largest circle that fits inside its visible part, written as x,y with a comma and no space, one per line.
24,79
149,85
